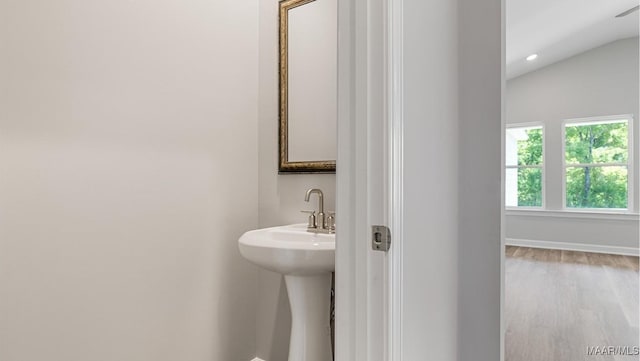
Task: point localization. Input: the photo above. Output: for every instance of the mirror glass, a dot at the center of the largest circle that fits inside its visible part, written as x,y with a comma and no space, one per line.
308,85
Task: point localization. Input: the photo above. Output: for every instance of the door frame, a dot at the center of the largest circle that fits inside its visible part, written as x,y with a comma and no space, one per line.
368,179
370,144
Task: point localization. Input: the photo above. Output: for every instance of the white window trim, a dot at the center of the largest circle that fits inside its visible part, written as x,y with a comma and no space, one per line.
629,164
591,165
597,214
542,166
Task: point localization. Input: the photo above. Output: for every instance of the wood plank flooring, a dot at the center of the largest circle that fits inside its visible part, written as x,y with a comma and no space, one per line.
559,303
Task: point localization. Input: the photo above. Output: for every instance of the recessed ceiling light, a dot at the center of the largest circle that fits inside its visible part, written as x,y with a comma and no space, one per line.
532,57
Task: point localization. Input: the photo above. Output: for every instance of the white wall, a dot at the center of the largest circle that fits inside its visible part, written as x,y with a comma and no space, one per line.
480,57
128,169
281,196
430,149
602,81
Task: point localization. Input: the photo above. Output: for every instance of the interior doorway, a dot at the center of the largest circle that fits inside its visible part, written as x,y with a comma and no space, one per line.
571,180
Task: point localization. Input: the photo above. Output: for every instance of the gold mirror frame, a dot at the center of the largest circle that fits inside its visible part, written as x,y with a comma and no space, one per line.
284,165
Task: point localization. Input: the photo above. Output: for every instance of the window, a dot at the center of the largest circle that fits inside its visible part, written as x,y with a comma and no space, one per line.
524,166
596,163
579,165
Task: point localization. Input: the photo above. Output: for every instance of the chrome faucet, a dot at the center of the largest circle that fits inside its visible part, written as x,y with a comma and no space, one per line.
320,216
319,223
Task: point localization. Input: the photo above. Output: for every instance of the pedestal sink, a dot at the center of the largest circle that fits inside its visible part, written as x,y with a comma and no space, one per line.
306,260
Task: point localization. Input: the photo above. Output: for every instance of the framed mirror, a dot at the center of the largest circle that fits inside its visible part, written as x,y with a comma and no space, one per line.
308,86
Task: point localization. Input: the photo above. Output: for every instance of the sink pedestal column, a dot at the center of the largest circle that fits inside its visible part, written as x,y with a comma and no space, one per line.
310,300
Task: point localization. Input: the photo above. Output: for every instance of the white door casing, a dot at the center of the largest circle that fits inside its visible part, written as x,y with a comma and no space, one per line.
375,321
362,182
418,125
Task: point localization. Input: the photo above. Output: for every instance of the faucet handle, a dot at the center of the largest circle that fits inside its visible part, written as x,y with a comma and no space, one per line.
311,222
331,221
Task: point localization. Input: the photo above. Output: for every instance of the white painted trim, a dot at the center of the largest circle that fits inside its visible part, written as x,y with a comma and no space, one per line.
378,177
537,166
600,215
395,123
346,287
545,167
360,117
631,168
598,119
568,246
537,124
503,127
593,165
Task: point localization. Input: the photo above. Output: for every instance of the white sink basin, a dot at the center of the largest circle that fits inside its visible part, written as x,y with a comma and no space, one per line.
306,260
290,250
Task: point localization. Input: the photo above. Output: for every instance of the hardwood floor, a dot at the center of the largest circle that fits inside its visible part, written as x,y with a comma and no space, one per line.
559,303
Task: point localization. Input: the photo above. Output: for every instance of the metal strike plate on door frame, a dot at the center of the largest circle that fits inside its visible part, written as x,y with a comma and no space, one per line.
380,238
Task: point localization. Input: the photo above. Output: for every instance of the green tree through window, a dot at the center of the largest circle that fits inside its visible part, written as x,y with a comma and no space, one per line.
596,158
530,179
524,162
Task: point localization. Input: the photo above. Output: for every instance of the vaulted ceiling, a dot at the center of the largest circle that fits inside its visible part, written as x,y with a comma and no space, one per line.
559,29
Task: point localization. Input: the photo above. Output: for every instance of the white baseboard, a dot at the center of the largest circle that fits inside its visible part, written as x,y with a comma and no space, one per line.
567,246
